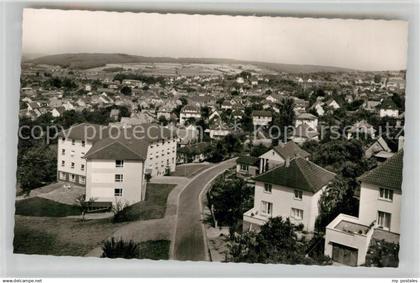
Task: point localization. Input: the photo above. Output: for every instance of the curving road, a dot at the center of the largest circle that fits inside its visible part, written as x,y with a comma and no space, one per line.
189,238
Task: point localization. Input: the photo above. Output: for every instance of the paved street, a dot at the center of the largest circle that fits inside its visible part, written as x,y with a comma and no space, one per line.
189,239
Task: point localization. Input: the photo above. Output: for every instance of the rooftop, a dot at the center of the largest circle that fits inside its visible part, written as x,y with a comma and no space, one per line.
388,174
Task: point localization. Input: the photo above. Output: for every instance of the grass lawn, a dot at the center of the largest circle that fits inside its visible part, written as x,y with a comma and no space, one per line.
37,206
154,205
60,236
154,249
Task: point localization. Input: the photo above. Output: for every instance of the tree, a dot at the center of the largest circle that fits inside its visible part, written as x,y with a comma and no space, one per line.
38,167
84,205
284,119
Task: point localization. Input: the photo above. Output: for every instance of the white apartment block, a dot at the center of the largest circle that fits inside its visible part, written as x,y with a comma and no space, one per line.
189,111
348,238
112,162
289,191
308,119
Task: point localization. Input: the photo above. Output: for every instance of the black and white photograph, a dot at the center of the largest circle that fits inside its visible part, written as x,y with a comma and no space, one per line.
218,138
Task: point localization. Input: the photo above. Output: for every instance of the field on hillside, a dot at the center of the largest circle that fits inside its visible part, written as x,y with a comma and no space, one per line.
178,69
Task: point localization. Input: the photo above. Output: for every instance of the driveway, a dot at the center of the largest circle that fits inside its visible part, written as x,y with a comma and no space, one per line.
189,241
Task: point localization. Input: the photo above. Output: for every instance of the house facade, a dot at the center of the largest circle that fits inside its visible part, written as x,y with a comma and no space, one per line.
348,238
289,191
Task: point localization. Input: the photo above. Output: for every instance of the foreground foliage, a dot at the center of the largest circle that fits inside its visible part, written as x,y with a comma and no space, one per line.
277,242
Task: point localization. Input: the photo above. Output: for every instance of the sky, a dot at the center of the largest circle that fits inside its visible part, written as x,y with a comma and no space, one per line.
371,45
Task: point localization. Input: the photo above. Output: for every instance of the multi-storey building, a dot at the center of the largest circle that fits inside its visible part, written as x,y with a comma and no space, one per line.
112,161
348,238
291,191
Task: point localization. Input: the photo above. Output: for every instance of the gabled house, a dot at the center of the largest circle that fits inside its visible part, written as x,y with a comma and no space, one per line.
278,155
189,112
261,118
308,119
388,108
247,166
348,238
291,191
380,147
318,106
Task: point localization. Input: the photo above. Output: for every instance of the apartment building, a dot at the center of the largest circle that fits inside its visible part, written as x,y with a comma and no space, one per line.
348,238
291,191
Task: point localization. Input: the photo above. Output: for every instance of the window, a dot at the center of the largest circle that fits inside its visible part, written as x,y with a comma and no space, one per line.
72,153
72,165
297,214
73,177
73,142
63,139
266,208
82,167
119,177
63,163
386,194
63,151
384,220
63,176
82,154
118,192
83,143
119,163
82,180
298,194
267,188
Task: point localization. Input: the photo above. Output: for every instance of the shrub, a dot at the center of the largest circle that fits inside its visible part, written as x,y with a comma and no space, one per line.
120,249
120,212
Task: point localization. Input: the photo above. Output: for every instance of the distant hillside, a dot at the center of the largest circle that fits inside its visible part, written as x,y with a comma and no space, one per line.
92,60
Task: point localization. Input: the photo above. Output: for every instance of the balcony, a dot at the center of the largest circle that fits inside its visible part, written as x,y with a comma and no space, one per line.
253,216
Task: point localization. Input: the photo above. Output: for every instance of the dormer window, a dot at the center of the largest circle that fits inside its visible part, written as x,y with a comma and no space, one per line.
386,194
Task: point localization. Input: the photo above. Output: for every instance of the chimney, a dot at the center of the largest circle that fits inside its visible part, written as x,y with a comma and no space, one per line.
287,163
